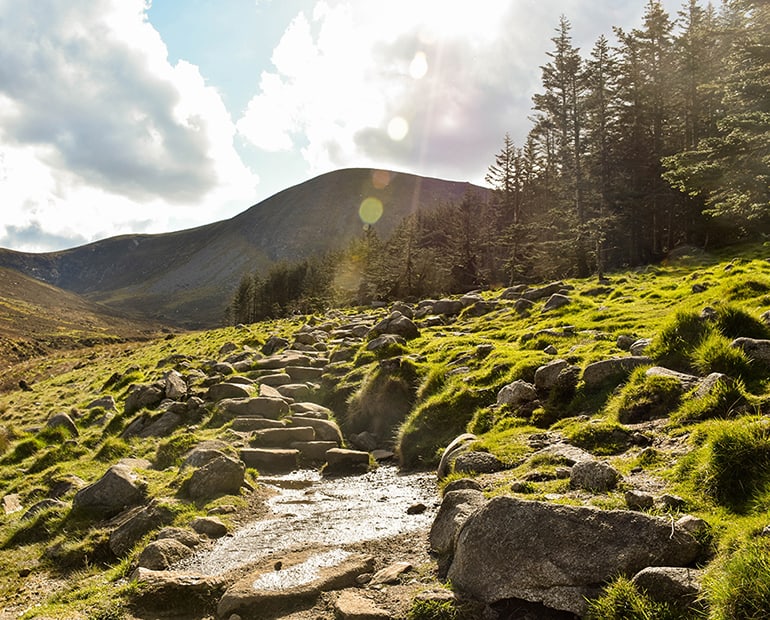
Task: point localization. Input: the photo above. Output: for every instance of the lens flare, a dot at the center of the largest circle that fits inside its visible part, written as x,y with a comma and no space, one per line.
370,210
419,66
380,179
398,128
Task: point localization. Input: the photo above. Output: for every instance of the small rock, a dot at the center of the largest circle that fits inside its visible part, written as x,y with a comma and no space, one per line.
672,502
353,606
636,500
416,509
391,574
209,526
594,476
462,483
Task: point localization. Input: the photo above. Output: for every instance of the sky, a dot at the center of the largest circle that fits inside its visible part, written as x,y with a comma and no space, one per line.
129,116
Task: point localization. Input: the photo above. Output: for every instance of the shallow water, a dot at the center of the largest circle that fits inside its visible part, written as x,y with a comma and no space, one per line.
315,512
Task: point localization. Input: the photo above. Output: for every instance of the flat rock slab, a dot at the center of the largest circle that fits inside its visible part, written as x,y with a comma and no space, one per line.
300,580
354,606
313,451
272,461
246,424
182,593
282,437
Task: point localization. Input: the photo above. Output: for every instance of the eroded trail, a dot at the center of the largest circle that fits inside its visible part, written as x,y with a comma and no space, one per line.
323,515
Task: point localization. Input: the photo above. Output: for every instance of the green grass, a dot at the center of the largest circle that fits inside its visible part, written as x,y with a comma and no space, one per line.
712,449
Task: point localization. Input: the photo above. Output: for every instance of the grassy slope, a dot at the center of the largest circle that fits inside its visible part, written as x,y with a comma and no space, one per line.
636,303
37,318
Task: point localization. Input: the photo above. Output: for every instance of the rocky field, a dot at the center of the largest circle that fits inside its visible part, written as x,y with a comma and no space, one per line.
601,450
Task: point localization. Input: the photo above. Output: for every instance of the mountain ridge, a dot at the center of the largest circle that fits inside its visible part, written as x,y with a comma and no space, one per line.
185,277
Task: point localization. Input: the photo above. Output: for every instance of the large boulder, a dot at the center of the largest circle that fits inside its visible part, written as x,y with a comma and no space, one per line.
600,372
143,396
221,476
455,509
119,488
559,555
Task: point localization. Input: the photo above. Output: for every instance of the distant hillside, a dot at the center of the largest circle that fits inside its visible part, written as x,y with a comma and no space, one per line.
36,318
187,277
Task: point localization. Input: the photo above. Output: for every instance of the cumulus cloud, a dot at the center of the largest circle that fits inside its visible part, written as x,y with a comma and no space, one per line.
460,75
90,106
452,77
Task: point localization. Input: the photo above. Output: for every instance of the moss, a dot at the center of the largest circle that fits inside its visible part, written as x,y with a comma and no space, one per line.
598,437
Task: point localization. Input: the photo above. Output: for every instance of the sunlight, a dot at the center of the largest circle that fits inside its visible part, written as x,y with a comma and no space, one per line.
398,127
419,66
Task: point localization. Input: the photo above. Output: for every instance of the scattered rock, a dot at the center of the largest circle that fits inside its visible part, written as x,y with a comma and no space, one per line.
597,373
118,489
209,526
474,461
594,476
391,573
353,606
556,301
340,462
757,350
397,324
458,445
637,500
162,554
516,394
221,476
62,420
269,593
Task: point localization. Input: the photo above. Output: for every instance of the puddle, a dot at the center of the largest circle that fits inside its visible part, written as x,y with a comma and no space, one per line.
300,574
310,510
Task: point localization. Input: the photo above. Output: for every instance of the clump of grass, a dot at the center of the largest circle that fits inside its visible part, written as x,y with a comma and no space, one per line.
112,449
726,399
597,437
432,610
673,346
747,289
646,398
384,399
435,422
714,354
737,587
732,466
170,452
23,450
622,600
735,322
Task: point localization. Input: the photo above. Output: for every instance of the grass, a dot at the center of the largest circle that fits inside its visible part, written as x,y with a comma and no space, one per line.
711,448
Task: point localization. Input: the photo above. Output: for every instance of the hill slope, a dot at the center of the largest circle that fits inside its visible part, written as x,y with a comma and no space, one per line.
187,277
36,317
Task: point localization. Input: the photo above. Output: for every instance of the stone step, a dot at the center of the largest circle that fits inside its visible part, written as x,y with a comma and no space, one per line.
262,406
282,437
325,430
296,391
301,374
340,462
273,461
313,451
246,424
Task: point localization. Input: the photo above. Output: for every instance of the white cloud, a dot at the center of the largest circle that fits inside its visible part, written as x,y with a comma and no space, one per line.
99,132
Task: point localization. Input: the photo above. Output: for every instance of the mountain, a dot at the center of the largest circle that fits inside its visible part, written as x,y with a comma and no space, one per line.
186,278
36,318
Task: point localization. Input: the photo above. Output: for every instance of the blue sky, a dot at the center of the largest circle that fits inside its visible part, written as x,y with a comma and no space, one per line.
124,116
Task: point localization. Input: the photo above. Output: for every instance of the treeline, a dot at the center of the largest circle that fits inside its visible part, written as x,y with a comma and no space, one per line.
656,139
